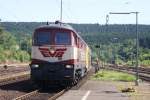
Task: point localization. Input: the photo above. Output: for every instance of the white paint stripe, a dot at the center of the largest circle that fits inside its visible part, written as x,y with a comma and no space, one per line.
86,95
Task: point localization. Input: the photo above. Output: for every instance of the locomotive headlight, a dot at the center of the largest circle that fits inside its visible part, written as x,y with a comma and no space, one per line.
34,66
69,66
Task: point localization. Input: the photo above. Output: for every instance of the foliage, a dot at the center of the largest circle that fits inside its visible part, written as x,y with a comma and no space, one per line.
21,56
9,49
113,76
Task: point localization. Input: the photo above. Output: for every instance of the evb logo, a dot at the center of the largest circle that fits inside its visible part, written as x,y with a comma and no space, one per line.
52,53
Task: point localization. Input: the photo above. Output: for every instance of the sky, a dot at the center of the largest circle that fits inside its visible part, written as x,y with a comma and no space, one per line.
75,11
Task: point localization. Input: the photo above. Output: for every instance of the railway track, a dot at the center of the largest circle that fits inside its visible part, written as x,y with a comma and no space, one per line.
14,78
140,69
144,73
28,91
7,72
11,69
38,94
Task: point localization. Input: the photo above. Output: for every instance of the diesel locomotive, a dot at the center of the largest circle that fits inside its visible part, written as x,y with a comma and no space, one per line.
59,55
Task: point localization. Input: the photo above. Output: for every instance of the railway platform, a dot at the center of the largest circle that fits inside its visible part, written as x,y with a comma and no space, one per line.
105,90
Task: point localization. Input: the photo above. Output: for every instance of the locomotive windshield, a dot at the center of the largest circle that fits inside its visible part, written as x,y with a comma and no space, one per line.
52,38
42,38
62,38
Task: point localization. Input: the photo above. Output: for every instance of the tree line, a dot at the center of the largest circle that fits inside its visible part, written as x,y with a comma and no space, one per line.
100,33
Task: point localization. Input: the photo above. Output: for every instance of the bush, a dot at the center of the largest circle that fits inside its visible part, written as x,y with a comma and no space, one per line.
21,56
14,56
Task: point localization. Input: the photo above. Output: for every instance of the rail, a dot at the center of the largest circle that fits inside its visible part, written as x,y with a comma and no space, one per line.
58,94
25,96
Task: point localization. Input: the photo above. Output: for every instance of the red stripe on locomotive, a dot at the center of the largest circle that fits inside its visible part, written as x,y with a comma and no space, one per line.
52,53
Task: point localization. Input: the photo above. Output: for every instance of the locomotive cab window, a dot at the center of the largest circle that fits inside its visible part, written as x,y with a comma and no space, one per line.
62,38
42,38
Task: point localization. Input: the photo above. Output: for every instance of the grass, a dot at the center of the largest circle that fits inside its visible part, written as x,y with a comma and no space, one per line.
109,75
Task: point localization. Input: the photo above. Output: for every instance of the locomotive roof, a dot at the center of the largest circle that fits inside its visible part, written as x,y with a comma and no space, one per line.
58,26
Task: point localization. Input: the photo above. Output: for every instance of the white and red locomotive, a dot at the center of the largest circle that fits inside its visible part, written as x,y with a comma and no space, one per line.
59,55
